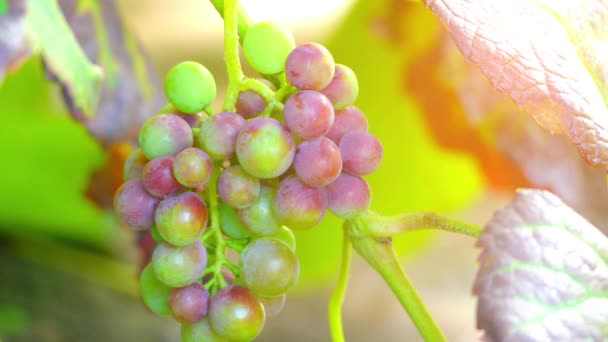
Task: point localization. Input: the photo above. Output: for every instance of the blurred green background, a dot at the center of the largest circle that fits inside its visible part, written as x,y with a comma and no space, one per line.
68,271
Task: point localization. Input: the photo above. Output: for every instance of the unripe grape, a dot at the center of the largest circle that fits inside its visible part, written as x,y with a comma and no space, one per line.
179,266
343,89
134,165
348,196
308,114
134,205
158,177
269,267
317,162
259,217
181,220
310,66
156,235
235,314
273,305
164,135
189,304
230,223
265,148
349,119
361,153
218,135
192,167
154,293
266,46
298,205
200,332
190,87
285,235
237,188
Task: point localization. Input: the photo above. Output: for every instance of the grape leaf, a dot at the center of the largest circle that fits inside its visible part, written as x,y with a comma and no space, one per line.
543,273
547,55
131,90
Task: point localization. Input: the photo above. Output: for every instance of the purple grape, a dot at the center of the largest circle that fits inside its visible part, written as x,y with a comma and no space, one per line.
179,266
237,188
343,89
158,177
259,217
235,314
218,135
269,267
308,114
134,165
189,304
250,104
200,332
298,205
264,148
192,167
181,220
317,162
134,205
348,196
361,153
273,305
310,66
349,119
164,135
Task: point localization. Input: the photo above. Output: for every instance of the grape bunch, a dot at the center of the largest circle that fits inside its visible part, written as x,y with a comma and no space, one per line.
220,193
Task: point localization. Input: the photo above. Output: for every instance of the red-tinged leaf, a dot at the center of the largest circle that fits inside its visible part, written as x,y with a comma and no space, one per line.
543,273
547,55
13,46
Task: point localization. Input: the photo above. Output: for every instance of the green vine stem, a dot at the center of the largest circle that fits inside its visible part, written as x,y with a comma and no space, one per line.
219,242
244,20
374,225
379,253
231,50
337,297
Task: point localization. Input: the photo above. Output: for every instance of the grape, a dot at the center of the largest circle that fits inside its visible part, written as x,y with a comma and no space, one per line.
235,314
190,87
218,135
269,267
181,219
348,196
265,148
250,104
273,305
200,332
134,205
317,162
310,66
258,217
266,46
308,114
192,167
179,266
164,135
156,235
194,120
285,235
361,153
189,304
134,165
298,205
154,293
236,188
158,177
349,119
343,89
230,223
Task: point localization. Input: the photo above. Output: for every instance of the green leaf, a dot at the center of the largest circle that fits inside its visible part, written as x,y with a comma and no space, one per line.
543,273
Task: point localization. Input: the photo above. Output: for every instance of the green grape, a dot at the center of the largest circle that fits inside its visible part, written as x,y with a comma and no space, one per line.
273,305
190,87
200,332
286,235
269,267
259,217
236,314
156,235
154,293
266,47
181,219
230,223
179,266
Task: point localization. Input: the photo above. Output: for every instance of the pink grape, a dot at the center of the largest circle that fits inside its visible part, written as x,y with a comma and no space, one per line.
310,66
179,266
298,205
237,188
134,205
349,119
236,314
348,196
317,162
361,153
181,219
308,114
343,89
192,167
158,177
189,304
218,135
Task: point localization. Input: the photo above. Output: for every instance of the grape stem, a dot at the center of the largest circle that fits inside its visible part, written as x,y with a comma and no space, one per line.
220,244
231,49
337,297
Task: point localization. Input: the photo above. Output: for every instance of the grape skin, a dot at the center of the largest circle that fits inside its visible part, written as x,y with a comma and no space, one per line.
218,135
308,114
343,89
361,153
298,205
134,205
237,188
348,196
273,305
318,162
190,87
179,266
192,167
349,119
259,217
164,135
231,224
200,332
266,46
310,66
250,104
236,314
154,293
158,177
189,304
181,220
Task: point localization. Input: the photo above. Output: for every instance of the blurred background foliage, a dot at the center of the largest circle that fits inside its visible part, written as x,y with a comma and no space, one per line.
63,257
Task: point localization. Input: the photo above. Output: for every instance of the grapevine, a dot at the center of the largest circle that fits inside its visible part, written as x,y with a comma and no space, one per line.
287,147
